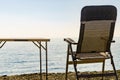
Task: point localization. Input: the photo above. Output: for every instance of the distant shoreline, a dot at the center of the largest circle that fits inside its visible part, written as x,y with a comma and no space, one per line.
52,76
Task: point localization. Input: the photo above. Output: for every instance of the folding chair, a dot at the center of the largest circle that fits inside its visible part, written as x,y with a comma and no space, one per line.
95,38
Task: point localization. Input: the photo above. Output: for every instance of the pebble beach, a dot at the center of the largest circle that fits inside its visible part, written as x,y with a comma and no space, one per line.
54,76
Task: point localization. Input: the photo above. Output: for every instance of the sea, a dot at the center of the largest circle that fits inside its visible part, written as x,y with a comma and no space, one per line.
23,58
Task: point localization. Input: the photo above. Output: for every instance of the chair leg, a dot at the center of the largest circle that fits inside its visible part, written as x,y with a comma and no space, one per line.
66,67
74,62
67,63
103,68
75,65
112,62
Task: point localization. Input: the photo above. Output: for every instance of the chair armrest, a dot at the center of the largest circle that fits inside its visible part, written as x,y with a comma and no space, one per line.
113,41
70,41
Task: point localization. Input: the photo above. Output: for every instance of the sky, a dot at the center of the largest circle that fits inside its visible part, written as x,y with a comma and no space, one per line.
46,18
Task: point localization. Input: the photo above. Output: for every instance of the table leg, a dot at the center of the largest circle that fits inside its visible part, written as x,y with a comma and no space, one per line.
40,61
46,63
40,46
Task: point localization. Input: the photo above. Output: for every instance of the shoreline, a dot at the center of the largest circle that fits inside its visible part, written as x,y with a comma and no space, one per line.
53,76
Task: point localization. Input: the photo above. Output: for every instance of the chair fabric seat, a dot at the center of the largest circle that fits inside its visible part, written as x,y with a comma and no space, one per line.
84,56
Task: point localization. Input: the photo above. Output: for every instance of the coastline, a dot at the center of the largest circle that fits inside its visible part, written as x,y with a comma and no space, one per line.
53,76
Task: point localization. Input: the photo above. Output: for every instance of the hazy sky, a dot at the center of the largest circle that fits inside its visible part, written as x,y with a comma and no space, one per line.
46,18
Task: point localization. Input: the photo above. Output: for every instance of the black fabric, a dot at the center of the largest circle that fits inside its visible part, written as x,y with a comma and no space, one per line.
89,13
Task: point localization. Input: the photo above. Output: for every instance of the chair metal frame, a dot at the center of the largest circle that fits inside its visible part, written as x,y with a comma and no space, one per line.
76,61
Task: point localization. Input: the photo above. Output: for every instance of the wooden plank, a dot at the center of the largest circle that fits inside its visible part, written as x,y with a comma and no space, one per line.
95,75
87,61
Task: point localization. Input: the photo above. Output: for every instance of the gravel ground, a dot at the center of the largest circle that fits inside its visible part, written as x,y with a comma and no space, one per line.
53,76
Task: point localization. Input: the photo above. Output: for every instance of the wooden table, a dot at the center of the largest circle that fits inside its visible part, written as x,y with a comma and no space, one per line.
38,42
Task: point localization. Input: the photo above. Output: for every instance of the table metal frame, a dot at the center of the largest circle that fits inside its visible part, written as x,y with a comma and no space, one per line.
37,42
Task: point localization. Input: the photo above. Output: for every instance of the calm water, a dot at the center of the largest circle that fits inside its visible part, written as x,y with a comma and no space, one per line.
23,58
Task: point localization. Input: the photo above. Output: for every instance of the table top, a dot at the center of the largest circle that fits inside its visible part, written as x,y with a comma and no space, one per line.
24,39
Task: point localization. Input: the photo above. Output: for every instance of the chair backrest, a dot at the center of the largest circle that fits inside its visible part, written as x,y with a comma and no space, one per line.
97,28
